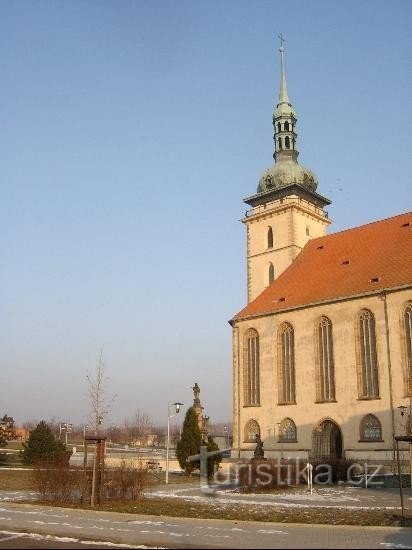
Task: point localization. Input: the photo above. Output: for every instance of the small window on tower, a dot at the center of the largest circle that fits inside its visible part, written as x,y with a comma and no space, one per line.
287,142
286,126
308,231
279,127
271,273
280,143
270,237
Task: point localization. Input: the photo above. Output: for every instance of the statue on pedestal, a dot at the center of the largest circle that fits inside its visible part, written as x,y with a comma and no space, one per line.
203,420
196,392
259,452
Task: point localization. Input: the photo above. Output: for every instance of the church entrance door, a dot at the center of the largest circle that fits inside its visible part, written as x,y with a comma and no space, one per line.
327,440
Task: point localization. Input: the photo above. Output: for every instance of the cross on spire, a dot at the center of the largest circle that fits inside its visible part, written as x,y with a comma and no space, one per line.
280,36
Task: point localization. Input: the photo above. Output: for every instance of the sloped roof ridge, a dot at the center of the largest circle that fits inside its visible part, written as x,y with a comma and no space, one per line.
324,279
356,228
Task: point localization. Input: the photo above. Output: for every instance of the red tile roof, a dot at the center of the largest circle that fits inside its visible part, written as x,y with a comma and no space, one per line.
379,256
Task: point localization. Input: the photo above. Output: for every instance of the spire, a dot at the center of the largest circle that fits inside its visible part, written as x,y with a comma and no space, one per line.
286,171
284,118
283,94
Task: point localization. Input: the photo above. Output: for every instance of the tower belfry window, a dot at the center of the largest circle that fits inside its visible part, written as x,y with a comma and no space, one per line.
270,237
287,142
271,273
280,143
279,127
286,126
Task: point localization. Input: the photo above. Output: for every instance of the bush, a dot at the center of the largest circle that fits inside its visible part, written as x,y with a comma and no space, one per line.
339,467
42,448
127,482
57,483
267,474
212,461
190,442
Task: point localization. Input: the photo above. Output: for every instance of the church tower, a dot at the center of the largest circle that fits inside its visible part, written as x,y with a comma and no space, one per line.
286,211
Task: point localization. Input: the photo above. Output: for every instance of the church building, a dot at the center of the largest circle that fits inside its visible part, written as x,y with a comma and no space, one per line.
322,352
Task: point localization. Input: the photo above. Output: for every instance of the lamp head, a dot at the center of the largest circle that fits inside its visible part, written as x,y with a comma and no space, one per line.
177,406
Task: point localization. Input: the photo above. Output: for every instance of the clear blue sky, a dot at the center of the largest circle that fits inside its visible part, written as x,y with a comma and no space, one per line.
130,132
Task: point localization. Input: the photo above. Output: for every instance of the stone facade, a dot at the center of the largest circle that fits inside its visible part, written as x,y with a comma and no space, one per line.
348,410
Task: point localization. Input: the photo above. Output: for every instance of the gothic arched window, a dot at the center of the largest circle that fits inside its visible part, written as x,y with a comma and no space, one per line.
370,428
287,431
325,370
286,126
251,382
271,273
270,237
279,143
367,361
287,142
252,429
407,325
279,127
286,365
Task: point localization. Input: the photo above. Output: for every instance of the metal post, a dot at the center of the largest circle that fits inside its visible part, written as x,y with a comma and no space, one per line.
167,444
94,478
84,488
410,465
400,481
102,445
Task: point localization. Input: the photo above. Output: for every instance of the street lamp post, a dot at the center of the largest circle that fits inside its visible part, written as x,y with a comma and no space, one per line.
169,416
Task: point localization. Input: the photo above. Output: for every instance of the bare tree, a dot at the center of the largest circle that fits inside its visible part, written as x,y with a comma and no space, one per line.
99,402
142,425
139,428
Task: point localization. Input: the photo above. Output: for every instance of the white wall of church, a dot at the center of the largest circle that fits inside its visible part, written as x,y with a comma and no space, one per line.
348,410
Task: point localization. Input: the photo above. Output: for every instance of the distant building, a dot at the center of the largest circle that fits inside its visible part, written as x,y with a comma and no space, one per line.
322,353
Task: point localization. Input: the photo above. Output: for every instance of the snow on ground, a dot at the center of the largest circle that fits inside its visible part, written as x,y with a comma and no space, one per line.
321,498
18,495
9,535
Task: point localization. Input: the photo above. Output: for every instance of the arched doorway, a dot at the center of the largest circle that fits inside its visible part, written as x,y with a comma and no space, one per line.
327,440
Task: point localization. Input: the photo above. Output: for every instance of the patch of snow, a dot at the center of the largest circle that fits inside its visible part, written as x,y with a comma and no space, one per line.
36,536
394,545
272,532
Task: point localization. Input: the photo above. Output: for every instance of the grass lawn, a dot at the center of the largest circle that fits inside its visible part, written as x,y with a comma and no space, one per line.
160,478
14,445
16,480
180,508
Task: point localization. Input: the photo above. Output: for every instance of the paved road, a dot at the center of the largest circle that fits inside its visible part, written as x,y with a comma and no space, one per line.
154,531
